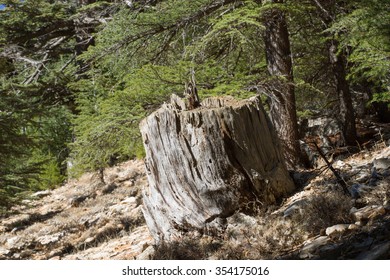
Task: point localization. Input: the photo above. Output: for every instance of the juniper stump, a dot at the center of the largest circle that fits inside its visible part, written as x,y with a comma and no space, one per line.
207,163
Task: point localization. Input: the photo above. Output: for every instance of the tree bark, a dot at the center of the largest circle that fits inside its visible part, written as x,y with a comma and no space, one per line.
346,111
337,60
205,164
281,99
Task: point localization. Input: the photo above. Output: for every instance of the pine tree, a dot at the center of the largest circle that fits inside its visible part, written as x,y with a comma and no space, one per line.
281,99
327,11
39,41
220,40
363,31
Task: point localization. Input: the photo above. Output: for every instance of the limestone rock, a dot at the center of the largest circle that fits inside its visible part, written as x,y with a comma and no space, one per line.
336,229
367,213
4,253
41,193
310,247
105,226
51,238
119,248
382,163
353,227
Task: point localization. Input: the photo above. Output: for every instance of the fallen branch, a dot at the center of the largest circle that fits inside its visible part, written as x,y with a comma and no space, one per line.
340,180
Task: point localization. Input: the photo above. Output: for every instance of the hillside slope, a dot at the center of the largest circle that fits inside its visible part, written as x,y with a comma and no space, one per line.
89,219
83,219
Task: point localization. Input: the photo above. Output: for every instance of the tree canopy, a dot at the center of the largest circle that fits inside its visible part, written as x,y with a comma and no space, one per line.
78,76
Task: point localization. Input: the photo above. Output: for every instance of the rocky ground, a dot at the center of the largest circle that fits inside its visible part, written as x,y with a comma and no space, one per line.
318,221
84,219
364,230
91,219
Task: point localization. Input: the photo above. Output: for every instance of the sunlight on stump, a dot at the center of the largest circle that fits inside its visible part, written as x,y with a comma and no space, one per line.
205,164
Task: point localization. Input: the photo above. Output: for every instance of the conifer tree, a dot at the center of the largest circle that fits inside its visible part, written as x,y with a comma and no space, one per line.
327,11
39,41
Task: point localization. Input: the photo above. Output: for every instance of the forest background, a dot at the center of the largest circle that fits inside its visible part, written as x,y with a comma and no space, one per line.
76,77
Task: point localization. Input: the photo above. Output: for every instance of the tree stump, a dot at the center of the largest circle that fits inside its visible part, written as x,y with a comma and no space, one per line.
205,164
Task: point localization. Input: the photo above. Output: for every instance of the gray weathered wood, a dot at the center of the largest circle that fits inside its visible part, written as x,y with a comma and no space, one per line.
205,164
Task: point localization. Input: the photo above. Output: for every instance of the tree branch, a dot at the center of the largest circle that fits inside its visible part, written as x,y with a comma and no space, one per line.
326,15
340,180
174,27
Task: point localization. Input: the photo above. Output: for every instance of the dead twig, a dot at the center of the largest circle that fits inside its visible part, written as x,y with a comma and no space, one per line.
340,180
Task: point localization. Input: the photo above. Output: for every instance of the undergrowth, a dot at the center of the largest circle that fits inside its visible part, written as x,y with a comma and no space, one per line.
271,236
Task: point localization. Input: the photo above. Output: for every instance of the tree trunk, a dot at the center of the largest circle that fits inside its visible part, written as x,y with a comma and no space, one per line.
337,60
346,111
282,95
205,164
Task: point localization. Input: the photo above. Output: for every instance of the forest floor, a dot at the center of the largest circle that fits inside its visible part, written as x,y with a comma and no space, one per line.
91,219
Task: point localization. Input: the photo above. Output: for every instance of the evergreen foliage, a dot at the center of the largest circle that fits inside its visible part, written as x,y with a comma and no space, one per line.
78,76
38,41
365,32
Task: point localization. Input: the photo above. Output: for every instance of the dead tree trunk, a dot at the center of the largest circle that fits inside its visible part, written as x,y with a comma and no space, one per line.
205,164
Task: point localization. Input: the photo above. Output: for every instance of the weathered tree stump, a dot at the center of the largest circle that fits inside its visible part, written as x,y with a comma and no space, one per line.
205,164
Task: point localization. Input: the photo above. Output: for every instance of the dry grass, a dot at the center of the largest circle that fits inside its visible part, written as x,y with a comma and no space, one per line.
379,194
323,210
271,236
186,248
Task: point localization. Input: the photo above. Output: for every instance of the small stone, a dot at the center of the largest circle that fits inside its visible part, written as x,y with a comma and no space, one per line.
75,201
386,205
353,210
380,211
339,164
109,188
147,254
16,256
354,190
130,200
52,238
353,227
382,163
3,252
26,254
336,229
368,212
310,247
41,194
127,174
13,242
89,240
15,229
128,184
362,178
